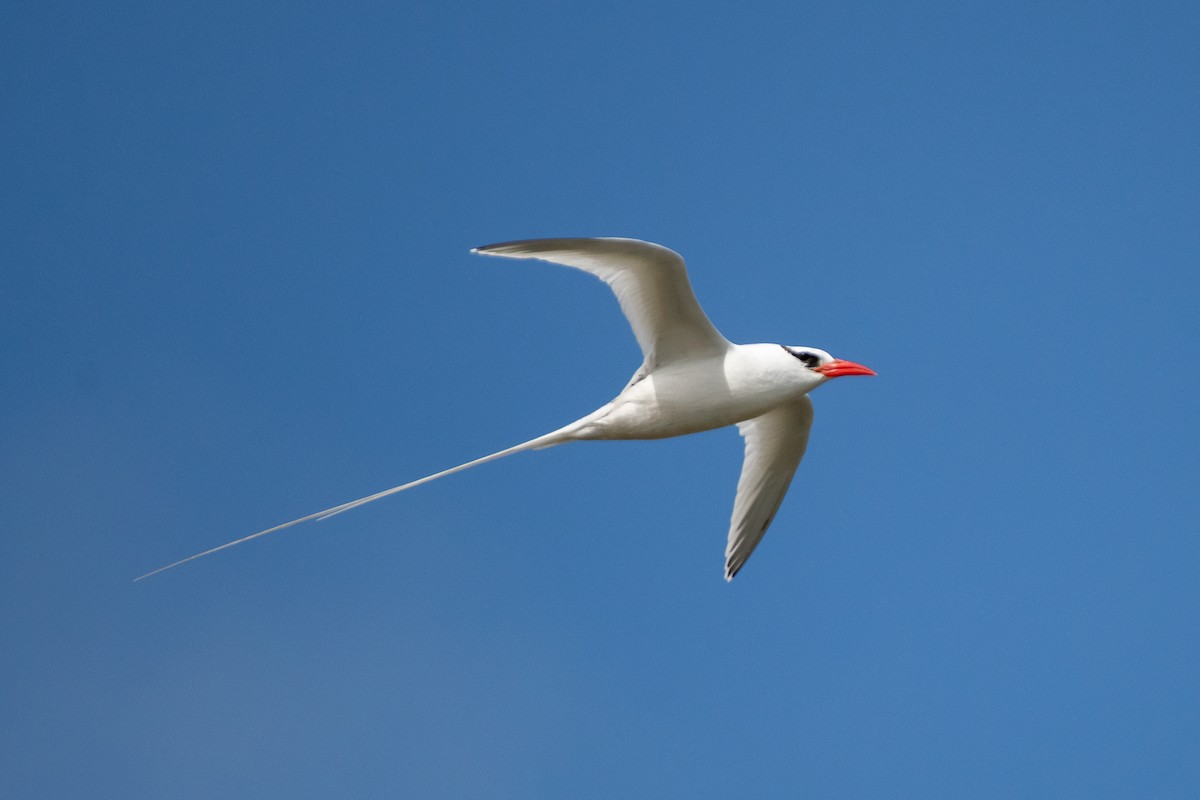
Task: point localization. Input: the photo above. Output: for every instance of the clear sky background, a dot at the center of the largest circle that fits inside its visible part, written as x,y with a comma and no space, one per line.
236,289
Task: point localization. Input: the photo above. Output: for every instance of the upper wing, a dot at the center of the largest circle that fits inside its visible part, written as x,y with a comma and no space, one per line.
775,443
650,282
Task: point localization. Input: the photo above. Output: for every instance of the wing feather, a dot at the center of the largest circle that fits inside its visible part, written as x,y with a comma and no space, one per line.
775,443
650,282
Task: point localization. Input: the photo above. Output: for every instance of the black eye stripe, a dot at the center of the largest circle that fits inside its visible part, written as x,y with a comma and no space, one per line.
811,360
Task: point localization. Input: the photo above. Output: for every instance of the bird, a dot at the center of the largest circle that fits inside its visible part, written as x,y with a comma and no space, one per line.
691,379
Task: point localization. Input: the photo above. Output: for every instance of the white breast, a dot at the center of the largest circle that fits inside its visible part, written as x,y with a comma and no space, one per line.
694,396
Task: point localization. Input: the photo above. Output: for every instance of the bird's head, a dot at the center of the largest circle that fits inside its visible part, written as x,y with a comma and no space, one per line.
825,365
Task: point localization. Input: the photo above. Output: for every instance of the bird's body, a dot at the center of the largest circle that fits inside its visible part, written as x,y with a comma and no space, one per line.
691,396
691,379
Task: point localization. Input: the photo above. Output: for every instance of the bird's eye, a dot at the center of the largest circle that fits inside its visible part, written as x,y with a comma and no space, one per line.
810,360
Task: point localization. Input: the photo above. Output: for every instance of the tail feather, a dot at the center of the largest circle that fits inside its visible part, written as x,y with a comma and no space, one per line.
548,440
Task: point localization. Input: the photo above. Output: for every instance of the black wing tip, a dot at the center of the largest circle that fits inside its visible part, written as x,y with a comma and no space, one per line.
528,245
496,248
483,248
532,246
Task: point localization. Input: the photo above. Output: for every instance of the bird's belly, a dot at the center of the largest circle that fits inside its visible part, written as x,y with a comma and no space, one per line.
662,405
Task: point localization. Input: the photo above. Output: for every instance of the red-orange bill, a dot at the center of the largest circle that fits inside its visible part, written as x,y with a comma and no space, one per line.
837,368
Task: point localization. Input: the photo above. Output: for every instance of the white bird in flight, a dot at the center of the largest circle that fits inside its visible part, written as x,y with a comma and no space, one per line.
692,379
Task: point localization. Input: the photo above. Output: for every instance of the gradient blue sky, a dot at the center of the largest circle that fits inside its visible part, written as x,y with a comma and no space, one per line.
236,289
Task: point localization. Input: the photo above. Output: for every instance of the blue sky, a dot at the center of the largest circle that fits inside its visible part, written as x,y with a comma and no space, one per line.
236,290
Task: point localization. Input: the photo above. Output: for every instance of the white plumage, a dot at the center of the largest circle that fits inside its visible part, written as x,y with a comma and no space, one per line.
691,379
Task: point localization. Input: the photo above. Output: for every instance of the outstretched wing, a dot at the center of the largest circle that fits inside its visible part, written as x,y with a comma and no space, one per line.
650,282
775,443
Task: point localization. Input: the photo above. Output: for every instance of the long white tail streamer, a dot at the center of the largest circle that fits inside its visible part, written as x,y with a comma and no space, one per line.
547,440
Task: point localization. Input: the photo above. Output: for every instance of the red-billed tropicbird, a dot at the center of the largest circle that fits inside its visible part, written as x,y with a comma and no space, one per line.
692,379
